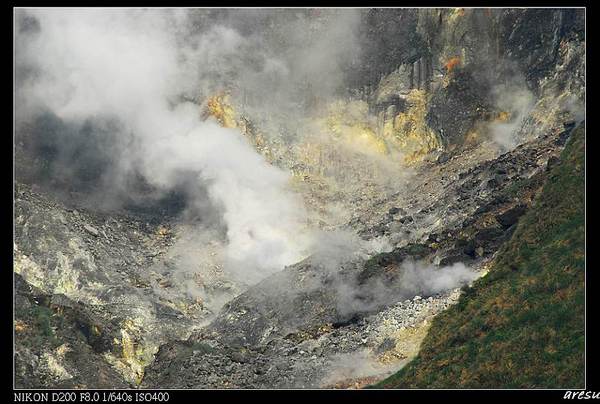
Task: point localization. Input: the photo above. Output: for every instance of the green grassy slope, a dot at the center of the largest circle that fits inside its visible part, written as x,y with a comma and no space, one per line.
521,325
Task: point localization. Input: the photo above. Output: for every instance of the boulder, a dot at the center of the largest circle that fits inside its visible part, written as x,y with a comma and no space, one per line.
91,230
511,216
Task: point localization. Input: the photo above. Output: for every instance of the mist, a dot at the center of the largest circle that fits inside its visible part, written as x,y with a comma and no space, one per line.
125,66
412,279
517,101
356,365
340,254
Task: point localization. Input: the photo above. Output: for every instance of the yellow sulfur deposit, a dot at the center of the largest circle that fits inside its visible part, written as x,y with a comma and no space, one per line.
458,12
348,123
134,356
359,137
335,141
219,107
408,340
472,137
409,131
503,116
20,326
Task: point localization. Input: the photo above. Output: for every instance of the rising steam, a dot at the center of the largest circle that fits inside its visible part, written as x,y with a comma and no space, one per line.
127,67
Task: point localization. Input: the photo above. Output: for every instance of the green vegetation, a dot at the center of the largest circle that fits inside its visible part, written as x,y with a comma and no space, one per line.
41,331
521,325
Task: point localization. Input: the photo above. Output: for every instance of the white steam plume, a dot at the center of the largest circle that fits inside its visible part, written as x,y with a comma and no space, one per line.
518,101
127,66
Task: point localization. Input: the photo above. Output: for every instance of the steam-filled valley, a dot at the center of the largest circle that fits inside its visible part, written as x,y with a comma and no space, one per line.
272,198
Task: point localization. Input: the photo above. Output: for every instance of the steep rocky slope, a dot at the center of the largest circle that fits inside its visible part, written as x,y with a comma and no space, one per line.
304,326
101,269
522,325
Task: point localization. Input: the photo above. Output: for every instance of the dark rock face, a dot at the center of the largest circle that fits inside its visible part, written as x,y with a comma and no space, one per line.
77,163
388,40
285,302
532,38
65,155
461,56
455,108
564,135
376,266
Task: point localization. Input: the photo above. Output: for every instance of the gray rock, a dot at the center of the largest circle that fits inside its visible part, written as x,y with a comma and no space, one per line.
91,230
394,210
